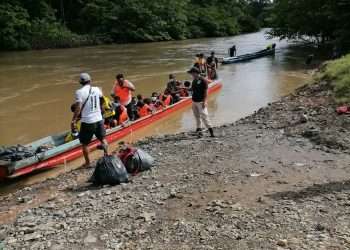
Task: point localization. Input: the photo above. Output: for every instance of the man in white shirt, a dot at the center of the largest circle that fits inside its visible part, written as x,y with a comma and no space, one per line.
89,100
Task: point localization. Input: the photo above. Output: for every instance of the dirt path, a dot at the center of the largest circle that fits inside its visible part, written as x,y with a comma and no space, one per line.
278,179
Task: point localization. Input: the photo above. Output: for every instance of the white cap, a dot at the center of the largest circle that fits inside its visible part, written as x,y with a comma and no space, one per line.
84,77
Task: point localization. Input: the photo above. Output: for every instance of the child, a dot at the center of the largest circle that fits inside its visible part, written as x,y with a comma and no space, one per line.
139,99
74,133
166,100
121,113
148,101
143,109
134,111
187,85
156,103
108,112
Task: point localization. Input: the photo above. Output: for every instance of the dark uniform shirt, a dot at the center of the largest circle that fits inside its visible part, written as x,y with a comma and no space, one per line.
199,90
171,86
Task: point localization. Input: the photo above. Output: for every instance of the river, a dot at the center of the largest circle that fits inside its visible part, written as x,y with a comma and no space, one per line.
37,86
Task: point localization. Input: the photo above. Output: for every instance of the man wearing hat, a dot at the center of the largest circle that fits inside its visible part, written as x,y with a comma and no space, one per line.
199,101
88,102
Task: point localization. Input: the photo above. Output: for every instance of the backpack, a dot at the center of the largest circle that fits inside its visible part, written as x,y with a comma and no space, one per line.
136,160
109,170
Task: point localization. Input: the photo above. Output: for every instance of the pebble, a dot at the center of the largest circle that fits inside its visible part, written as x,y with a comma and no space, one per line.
282,243
90,239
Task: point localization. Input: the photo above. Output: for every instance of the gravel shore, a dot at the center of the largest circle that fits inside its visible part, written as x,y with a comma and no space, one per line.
278,179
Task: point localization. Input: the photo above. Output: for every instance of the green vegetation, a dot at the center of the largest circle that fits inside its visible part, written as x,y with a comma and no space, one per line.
338,73
322,22
35,24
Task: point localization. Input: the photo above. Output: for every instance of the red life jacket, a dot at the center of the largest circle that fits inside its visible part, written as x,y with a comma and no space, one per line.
168,99
183,92
144,111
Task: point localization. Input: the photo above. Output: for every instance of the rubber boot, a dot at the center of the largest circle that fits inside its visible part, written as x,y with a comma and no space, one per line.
211,131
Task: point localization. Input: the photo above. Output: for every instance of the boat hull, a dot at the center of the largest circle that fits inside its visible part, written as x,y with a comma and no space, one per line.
247,57
73,150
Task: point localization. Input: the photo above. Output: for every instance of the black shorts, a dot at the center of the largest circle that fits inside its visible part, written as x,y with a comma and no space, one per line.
87,131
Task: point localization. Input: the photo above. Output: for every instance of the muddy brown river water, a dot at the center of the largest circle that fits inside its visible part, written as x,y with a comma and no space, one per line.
37,86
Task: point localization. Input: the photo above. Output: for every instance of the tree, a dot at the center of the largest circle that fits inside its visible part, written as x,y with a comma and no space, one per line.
14,26
318,21
66,23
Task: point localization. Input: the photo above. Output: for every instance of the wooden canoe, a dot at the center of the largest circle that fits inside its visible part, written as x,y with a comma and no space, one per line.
247,57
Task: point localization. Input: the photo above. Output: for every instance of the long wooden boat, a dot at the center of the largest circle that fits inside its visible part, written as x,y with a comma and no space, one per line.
64,152
247,57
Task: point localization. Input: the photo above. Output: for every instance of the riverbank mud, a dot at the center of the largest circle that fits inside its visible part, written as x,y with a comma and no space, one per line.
278,179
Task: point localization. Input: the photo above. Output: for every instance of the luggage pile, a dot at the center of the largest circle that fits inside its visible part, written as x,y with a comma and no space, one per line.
16,153
115,169
20,152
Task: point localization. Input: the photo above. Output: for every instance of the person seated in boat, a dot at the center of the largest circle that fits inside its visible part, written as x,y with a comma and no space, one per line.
144,109
232,51
149,102
134,111
124,88
74,133
172,88
182,90
187,86
139,99
120,112
156,103
166,100
108,112
271,46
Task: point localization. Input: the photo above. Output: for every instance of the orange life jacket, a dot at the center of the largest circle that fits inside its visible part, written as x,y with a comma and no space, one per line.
167,100
123,116
124,93
145,110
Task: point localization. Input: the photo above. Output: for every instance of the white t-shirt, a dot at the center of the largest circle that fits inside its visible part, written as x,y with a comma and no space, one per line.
91,112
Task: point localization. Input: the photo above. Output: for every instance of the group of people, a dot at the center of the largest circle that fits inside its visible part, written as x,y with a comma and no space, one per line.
93,112
207,66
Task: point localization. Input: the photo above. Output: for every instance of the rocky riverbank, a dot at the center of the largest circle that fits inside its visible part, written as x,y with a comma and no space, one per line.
278,179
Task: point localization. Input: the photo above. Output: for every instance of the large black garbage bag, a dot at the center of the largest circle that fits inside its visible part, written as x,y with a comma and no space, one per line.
136,160
109,170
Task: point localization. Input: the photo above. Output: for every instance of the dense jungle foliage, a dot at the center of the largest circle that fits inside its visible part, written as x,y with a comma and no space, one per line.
323,22
36,24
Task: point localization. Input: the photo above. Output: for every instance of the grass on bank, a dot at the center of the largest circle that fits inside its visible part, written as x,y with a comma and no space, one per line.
338,73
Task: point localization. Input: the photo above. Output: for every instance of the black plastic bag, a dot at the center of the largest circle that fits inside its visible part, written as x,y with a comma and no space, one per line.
138,161
109,170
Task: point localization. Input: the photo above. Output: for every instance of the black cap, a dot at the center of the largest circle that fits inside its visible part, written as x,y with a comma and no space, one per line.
194,70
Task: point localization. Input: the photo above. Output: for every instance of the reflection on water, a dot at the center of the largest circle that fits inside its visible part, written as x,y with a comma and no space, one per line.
37,86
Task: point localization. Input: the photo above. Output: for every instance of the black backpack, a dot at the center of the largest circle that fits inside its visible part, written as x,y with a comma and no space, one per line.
109,170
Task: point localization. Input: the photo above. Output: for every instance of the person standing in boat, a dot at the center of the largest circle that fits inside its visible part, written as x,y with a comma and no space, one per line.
232,51
212,66
124,88
88,103
199,101
201,63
